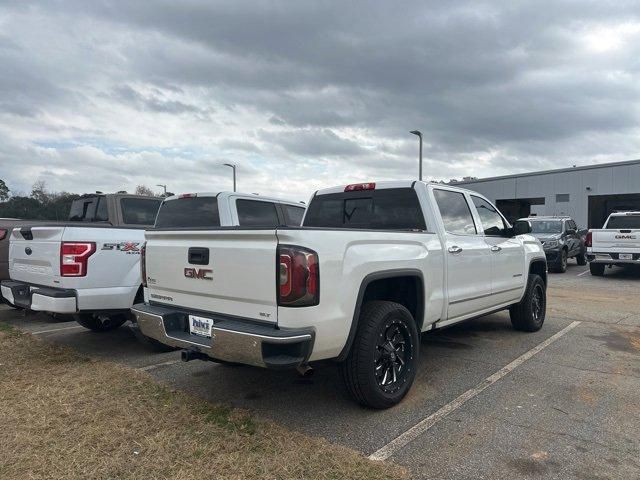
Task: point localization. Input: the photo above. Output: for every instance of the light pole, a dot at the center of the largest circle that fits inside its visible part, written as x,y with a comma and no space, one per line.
419,134
164,187
234,174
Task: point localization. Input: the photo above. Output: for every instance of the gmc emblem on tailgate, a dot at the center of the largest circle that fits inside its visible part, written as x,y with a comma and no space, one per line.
199,273
625,237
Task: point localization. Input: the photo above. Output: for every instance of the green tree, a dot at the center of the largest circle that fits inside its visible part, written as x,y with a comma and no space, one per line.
39,192
144,190
4,191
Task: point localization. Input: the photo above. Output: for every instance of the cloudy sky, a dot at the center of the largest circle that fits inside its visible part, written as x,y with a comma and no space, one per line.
106,95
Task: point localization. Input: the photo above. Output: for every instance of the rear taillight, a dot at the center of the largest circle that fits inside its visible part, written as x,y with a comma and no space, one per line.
298,277
74,257
588,240
3,233
143,264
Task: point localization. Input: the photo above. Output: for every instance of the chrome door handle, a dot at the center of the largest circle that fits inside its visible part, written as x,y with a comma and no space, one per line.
455,249
496,248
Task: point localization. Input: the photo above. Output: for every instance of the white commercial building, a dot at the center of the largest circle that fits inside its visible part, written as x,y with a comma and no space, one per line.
588,194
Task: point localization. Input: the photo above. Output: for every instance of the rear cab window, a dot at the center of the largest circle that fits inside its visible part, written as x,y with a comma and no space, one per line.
189,212
89,209
383,209
139,211
623,222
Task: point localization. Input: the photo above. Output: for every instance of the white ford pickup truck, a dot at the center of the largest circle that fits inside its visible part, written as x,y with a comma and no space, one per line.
373,265
90,267
617,243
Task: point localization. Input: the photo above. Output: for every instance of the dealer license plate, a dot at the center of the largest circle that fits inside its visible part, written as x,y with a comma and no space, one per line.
626,256
200,326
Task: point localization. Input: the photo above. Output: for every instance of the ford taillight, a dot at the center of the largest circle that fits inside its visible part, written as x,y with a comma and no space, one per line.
74,257
588,240
298,277
143,264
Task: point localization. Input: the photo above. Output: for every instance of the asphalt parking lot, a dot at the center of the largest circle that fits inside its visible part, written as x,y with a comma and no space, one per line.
488,402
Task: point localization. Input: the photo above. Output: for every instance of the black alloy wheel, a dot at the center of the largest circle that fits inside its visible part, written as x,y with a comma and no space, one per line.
394,353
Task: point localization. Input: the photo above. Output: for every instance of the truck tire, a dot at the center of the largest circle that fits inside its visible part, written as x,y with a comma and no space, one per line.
151,343
561,266
597,269
382,362
581,258
101,322
529,314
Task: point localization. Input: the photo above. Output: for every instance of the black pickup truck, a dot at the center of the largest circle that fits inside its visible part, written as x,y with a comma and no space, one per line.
561,239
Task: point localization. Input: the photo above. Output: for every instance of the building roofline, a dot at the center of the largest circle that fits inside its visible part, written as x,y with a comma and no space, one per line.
550,172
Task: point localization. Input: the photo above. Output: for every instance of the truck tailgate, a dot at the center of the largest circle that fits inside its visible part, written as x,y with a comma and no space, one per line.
219,271
616,241
34,255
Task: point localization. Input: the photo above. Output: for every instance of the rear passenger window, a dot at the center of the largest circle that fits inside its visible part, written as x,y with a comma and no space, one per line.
102,211
492,222
189,212
139,211
293,215
252,213
455,212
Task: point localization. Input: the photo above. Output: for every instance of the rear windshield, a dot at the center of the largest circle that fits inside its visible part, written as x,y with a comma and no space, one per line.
386,209
546,226
624,222
189,212
139,211
89,209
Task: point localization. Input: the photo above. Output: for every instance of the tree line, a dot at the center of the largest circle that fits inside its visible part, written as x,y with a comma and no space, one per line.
42,204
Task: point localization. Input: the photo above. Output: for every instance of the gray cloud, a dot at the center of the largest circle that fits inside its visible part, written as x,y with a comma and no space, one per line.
495,87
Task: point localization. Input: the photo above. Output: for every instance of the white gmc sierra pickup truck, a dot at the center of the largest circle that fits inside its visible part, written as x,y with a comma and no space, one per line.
373,265
90,267
617,243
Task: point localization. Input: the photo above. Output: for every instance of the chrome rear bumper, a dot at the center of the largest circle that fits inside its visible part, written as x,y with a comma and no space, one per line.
613,259
232,339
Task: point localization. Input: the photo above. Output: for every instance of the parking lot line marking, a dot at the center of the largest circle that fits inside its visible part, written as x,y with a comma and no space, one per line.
414,432
51,330
580,274
156,365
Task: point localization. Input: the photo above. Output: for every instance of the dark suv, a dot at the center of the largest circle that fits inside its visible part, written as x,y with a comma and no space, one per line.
561,240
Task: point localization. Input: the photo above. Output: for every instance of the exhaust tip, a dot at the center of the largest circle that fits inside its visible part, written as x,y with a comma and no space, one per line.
305,370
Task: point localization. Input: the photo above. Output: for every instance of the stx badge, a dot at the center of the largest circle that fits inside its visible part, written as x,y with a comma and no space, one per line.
198,273
130,248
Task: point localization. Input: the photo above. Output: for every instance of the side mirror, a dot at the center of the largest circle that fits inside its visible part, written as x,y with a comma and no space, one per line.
521,227
571,231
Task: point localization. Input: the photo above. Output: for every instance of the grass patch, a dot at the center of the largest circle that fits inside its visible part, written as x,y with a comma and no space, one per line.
66,416
7,329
